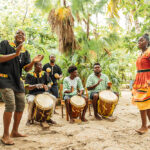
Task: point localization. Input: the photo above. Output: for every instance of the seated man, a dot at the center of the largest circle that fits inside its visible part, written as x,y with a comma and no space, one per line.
70,86
97,82
36,82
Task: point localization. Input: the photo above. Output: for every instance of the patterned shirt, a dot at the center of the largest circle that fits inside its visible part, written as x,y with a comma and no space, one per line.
11,71
93,79
76,83
32,78
54,69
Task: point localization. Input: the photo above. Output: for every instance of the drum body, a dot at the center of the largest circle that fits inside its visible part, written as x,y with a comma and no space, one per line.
43,107
77,104
107,103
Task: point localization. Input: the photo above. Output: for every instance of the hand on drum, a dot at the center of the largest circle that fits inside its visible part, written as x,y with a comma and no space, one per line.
80,93
109,84
39,86
45,87
49,85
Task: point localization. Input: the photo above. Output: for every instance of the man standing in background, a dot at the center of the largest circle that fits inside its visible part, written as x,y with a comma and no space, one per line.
55,74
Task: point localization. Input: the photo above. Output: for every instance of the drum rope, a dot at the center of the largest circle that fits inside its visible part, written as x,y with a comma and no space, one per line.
113,108
49,115
35,111
42,115
104,108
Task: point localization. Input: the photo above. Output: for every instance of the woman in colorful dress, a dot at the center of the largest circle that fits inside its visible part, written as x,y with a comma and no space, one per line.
141,86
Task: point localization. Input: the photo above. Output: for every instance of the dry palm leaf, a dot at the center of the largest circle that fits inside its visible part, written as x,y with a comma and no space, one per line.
107,51
62,22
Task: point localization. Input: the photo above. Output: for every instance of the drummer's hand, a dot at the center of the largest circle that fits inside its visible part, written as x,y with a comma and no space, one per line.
39,86
80,93
60,76
100,81
45,87
72,89
38,58
49,85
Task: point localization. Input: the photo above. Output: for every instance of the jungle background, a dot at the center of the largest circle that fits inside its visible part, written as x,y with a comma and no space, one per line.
80,32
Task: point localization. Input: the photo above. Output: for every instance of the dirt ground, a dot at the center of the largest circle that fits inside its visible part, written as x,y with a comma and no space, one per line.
93,135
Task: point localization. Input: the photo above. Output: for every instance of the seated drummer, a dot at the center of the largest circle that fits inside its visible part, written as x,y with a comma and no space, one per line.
36,82
70,86
96,82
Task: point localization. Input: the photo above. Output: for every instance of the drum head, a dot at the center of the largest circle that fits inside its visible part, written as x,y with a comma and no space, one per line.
77,101
108,96
44,101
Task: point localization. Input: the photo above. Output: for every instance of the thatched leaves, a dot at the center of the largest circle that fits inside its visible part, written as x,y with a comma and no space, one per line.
62,22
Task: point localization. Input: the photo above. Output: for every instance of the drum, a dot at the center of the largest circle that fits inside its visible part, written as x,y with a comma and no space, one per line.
43,107
77,103
107,103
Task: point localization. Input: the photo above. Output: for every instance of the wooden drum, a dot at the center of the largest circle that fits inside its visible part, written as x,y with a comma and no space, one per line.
77,103
107,103
43,108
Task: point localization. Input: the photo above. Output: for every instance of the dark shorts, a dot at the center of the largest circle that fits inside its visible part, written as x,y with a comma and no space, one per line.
67,97
91,95
54,90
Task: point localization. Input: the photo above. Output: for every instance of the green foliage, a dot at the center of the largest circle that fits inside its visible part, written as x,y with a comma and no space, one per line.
85,7
47,5
119,65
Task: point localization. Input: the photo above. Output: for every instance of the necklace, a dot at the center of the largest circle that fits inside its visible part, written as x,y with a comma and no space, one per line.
20,58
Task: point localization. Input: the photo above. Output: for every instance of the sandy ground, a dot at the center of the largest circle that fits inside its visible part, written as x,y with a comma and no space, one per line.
94,135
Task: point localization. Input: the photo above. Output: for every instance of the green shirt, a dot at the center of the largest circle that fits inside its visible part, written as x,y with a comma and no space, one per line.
76,83
93,79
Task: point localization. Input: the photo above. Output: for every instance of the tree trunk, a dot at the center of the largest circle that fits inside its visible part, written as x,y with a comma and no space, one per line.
25,12
136,22
88,26
137,25
64,1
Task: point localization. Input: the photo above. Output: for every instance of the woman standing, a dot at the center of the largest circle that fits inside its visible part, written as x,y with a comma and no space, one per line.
141,86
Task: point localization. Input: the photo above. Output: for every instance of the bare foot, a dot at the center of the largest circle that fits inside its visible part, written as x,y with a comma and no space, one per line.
110,118
84,120
142,130
17,134
7,141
